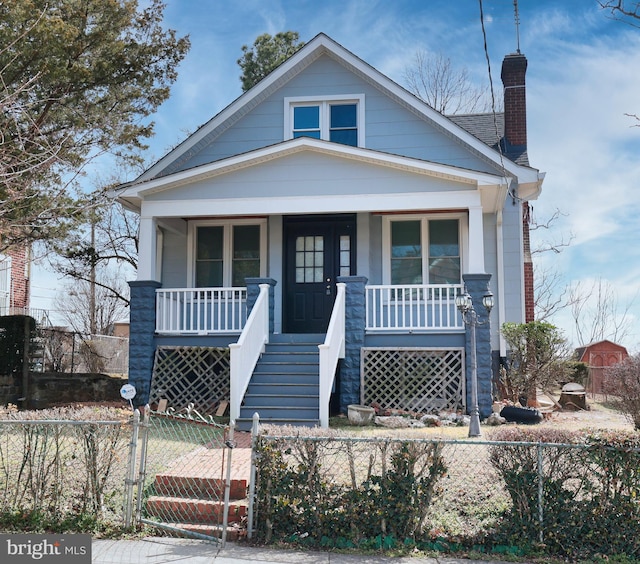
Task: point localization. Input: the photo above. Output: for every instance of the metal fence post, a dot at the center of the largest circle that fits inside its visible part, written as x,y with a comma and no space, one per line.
142,472
227,483
130,479
540,493
252,475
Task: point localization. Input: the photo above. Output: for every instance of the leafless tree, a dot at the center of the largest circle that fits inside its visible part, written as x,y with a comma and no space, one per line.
597,313
551,294
106,237
74,304
627,11
433,79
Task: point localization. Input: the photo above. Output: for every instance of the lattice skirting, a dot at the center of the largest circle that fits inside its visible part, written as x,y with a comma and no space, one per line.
425,380
191,375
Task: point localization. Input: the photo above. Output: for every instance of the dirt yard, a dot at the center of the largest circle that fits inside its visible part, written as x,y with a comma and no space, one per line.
598,416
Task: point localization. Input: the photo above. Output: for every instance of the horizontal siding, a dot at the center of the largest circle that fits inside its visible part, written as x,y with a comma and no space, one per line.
310,173
390,127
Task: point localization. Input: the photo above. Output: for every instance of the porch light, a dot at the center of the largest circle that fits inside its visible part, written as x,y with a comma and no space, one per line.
487,301
464,303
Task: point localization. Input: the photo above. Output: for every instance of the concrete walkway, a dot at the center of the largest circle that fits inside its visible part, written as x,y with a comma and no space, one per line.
157,550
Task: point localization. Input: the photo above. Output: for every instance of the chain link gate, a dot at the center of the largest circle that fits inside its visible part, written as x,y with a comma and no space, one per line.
183,477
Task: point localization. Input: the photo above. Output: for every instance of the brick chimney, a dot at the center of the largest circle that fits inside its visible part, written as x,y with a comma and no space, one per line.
514,68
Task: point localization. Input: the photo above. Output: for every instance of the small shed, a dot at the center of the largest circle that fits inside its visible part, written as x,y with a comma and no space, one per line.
598,356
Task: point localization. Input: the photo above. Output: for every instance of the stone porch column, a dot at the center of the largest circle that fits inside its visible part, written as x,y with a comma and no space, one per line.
477,285
142,326
253,291
354,339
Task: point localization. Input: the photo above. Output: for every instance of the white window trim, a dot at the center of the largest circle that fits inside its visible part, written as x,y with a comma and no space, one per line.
5,283
463,232
324,102
227,248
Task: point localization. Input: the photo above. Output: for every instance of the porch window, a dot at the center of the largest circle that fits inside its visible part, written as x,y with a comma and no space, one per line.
226,253
246,253
406,253
424,251
336,119
209,256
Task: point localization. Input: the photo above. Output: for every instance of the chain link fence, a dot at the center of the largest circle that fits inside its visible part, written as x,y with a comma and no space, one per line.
575,497
512,497
54,471
182,484
114,469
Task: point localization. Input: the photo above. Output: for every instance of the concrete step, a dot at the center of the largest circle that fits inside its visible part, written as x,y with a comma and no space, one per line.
234,530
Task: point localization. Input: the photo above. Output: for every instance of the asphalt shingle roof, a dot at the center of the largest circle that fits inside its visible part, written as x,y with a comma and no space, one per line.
484,126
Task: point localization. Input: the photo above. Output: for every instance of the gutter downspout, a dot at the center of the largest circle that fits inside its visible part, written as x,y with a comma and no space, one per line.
501,281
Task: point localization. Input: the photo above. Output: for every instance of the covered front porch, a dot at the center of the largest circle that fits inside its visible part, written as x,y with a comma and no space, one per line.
388,308
375,318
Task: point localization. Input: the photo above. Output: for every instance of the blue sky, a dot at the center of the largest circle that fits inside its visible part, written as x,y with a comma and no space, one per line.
581,81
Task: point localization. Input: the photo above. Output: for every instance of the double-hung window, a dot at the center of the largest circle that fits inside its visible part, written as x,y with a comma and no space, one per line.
423,250
337,119
226,253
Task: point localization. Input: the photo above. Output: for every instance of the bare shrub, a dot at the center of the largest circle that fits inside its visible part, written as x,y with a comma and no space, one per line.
622,383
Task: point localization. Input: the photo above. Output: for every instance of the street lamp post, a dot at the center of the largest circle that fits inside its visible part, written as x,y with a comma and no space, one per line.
465,304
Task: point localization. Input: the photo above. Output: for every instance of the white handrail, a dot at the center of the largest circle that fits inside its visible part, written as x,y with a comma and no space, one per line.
245,353
331,350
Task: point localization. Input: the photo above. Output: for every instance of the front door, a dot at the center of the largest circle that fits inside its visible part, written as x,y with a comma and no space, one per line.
317,250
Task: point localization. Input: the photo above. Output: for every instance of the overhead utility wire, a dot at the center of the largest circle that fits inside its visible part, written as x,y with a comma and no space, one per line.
493,102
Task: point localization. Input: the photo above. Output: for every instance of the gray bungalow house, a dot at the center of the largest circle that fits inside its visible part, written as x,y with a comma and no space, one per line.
302,250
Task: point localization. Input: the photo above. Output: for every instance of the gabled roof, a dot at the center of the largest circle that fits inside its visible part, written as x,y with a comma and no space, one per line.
324,45
492,187
580,352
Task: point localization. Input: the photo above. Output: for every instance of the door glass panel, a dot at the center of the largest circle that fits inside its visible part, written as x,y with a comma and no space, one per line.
309,259
209,256
345,255
406,252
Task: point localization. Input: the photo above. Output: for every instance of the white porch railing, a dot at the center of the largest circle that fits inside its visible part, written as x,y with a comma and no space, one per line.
330,351
199,311
245,353
413,307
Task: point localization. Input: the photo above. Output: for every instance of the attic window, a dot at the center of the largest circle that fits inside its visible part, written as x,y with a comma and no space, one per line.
335,119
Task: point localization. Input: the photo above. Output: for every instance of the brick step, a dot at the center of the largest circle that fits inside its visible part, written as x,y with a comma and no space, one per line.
195,511
234,530
195,486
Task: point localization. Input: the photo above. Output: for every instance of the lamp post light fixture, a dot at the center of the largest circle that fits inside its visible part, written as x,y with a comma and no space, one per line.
464,303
